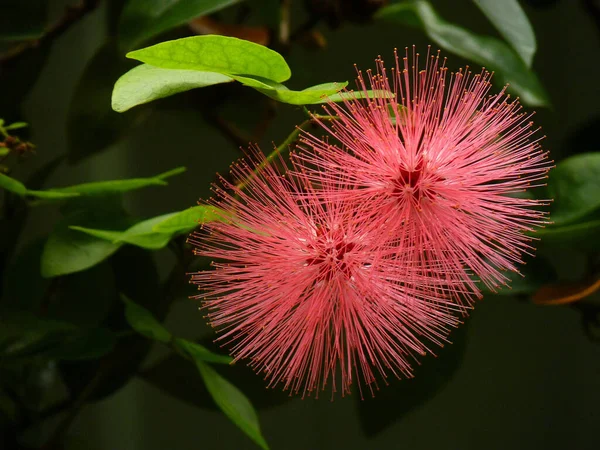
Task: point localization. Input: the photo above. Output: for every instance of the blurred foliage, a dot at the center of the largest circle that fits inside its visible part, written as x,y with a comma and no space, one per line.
84,303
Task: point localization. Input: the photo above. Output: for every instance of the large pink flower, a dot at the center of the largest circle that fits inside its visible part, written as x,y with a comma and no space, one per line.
306,291
443,166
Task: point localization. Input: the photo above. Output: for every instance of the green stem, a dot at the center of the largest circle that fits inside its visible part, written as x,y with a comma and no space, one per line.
283,147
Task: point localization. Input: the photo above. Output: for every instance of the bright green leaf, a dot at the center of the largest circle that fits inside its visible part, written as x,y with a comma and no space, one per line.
277,91
226,55
354,95
512,23
200,353
16,126
12,185
185,221
145,83
143,19
144,323
488,51
232,402
575,187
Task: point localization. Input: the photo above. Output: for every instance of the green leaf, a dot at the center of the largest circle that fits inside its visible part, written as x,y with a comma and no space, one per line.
391,403
16,126
511,21
143,19
185,221
582,236
535,273
277,91
226,55
144,323
232,402
575,187
140,234
200,353
68,251
12,185
145,83
488,51
115,186
155,233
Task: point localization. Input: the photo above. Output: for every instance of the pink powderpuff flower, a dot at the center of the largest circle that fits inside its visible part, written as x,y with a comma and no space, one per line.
443,165
304,290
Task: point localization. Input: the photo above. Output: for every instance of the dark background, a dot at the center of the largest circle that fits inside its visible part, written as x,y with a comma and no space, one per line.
530,377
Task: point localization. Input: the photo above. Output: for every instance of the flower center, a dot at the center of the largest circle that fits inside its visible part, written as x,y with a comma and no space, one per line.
331,253
414,184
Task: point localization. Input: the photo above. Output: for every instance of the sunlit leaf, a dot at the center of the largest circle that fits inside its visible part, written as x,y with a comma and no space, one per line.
143,19
487,51
146,83
142,321
277,91
512,23
232,402
575,187
226,55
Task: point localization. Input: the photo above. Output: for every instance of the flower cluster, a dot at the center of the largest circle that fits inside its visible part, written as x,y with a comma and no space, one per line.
367,248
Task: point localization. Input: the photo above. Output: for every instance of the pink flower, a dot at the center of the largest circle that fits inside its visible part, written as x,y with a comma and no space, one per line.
305,291
443,166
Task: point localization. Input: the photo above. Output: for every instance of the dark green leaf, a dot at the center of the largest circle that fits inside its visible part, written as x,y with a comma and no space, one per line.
485,50
165,375
88,344
142,321
277,91
575,187
232,402
22,19
512,23
24,286
84,298
143,19
200,353
532,275
145,83
400,397
92,125
226,55
68,251
582,236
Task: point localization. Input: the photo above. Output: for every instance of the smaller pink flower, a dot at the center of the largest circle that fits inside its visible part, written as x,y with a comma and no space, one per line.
305,291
